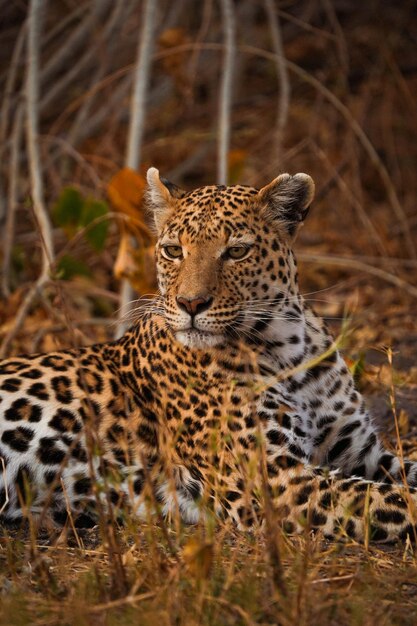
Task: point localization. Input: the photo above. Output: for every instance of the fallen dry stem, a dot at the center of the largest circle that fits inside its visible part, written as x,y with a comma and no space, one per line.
361,266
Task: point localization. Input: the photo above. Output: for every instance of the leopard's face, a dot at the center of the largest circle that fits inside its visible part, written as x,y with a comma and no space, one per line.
223,262
219,267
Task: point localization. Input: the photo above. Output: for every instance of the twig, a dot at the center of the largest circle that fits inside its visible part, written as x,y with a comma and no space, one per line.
305,25
201,34
225,101
137,119
340,38
32,131
122,72
58,29
81,119
234,608
10,82
60,328
13,194
32,295
348,262
77,156
282,73
2,203
346,189
92,291
332,579
112,104
77,40
6,485
98,608
60,84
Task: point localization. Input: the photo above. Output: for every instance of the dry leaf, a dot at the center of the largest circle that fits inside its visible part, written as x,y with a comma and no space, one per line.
134,262
126,192
137,265
198,555
128,558
403,422
175,64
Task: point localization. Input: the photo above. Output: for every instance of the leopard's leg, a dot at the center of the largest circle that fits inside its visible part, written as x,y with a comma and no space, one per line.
324,499
352,445
338,430
307,498
314,497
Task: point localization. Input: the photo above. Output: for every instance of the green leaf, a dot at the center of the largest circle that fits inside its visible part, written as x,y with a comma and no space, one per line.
96,235
67,210
68,266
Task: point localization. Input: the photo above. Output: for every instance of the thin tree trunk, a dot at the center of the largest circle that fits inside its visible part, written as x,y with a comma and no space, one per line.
225,101
137,123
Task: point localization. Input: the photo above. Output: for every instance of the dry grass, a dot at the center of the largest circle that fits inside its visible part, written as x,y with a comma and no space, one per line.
224,579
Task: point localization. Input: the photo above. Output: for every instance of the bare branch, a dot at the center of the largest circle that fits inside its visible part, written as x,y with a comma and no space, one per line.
32,131
36,9
31,297
11,82
225,102
60,84
140,85
110,107
282,73
13,194
137,119
99,8
58,29
341,39
288,17
355,202
74,154
201,34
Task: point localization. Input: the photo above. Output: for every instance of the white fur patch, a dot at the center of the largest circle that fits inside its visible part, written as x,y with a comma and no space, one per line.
193,338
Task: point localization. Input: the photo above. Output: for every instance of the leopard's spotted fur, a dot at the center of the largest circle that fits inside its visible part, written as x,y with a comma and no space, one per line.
226,389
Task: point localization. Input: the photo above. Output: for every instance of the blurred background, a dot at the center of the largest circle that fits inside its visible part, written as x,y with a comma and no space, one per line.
96,91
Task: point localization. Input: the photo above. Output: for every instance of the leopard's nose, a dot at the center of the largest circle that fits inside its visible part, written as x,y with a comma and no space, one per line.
193,306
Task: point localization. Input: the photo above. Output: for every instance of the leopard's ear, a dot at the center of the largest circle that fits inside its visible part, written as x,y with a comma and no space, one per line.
161,195
287,200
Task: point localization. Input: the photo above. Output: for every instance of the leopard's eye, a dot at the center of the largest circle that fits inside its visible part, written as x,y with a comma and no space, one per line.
237,252
172,252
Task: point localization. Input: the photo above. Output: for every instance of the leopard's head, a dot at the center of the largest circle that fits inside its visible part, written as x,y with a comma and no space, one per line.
224,255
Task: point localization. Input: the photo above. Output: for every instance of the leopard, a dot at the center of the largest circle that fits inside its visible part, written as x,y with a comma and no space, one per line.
226,397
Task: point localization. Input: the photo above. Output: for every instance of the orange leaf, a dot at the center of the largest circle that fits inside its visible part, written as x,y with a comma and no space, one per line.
175,64
126,191
136,264
198,555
